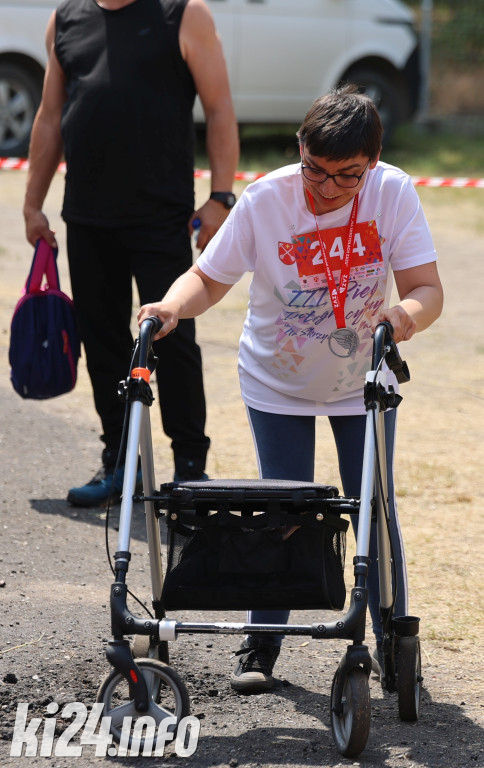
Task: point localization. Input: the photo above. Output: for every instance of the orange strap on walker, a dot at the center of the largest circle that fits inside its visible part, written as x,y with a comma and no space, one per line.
141,373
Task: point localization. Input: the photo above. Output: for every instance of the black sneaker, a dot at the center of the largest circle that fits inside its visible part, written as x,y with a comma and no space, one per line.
253,673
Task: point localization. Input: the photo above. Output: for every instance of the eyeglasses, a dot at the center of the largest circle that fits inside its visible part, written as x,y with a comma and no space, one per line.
347,181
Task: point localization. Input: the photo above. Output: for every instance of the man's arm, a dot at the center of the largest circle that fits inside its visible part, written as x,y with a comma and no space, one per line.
421,300
189,296
202,50
45,145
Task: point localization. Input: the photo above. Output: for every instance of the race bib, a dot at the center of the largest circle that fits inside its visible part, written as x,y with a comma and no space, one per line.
305,251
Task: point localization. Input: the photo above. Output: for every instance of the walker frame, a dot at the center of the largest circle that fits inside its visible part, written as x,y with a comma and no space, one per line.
144,662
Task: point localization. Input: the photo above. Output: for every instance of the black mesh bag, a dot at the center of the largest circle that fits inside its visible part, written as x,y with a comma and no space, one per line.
238,545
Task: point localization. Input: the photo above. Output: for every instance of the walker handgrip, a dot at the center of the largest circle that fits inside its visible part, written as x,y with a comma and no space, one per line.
156,323
148,329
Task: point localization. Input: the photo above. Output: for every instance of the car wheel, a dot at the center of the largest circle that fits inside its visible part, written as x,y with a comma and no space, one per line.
20,94
385,92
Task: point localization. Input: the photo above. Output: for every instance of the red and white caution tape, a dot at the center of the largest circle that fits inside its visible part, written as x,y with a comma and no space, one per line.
13,164
440,181
239,175
460,182
19,164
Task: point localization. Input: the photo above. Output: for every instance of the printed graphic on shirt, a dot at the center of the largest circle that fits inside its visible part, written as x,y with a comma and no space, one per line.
286,253
307,318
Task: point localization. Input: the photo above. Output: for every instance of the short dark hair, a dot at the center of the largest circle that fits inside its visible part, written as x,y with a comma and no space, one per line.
342,124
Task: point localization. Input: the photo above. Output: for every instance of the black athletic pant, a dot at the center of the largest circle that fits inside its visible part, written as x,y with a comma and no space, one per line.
102,263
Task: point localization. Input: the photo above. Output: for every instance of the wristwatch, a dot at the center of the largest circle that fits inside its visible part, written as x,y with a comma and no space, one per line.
227,199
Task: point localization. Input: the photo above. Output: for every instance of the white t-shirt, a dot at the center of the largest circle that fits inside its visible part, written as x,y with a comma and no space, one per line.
285,363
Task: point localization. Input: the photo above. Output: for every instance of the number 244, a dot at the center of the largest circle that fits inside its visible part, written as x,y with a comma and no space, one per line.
337,249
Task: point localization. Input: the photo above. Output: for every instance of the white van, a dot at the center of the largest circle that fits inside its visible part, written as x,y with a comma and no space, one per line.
281,54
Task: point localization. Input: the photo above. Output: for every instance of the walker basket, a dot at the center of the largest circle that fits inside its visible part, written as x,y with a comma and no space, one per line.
241,544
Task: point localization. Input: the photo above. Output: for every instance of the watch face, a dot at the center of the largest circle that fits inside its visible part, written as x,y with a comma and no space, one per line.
227,199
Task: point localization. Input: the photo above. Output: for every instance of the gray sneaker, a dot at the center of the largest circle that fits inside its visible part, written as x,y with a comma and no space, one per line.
253,673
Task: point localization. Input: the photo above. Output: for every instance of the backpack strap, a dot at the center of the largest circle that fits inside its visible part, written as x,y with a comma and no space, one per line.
43,263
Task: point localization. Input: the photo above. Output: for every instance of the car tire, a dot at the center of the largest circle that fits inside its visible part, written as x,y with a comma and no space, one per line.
20,94
386,93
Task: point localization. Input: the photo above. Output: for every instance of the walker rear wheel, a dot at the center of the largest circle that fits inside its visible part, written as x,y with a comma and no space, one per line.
350,718
409,677
168,699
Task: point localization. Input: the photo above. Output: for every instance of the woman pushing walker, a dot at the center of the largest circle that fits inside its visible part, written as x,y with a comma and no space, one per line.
321,238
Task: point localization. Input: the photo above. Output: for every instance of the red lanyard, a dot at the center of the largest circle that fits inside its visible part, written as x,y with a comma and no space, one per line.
339,292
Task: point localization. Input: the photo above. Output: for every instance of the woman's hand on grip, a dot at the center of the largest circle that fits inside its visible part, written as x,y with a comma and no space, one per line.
168,317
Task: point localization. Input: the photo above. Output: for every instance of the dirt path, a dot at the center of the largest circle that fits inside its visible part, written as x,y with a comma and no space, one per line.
54,616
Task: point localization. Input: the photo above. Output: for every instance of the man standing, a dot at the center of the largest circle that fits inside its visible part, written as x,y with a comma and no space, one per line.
119,89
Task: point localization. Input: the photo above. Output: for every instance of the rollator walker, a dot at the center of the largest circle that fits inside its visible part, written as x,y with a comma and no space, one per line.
217,531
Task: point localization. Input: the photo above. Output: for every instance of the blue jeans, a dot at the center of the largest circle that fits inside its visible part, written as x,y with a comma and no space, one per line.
285,447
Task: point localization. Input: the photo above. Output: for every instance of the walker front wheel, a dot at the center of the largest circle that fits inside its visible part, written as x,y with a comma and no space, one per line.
409,677
169,702
350,717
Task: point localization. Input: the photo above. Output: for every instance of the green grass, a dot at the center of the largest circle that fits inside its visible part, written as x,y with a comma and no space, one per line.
434,151
419,150
262,147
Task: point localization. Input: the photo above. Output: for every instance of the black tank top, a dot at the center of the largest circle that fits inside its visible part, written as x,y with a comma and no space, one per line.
127,124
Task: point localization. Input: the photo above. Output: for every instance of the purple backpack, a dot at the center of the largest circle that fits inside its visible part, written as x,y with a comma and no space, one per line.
44,339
